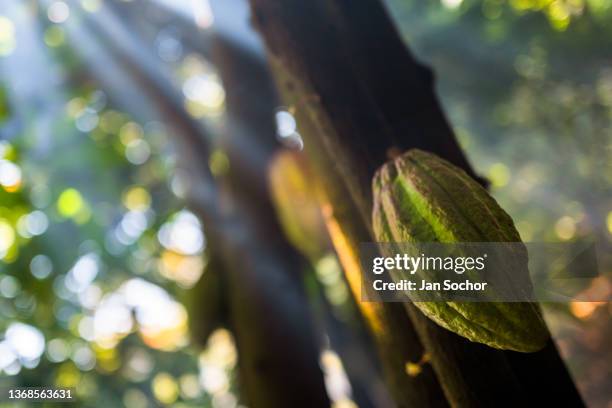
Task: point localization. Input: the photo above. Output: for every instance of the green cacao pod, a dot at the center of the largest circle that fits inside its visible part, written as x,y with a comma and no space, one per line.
419,198
294,194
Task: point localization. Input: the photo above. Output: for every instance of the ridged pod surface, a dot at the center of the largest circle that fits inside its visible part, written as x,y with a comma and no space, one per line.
421,198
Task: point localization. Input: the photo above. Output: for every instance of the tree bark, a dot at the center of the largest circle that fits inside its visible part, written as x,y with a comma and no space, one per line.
388,323
367,99
207,301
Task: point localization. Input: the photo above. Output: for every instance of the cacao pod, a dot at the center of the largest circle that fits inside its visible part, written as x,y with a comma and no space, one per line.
419,197
294,194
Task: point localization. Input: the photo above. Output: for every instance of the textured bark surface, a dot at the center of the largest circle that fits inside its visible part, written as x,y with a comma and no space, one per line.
397,344
396,341
366,99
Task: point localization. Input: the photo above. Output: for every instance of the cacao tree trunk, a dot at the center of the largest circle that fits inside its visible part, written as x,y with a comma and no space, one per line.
388,322
365,98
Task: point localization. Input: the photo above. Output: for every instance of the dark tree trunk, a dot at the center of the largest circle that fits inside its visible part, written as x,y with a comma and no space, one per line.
365,99
251,101
388,322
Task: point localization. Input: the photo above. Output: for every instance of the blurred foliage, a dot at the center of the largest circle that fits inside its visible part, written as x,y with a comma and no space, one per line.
96,249
4,105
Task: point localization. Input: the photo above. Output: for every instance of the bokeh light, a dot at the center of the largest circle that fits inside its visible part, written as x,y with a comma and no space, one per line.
10,176
58,12
7,36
